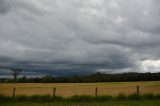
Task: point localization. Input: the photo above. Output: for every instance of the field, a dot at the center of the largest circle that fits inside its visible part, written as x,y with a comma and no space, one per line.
117,103
70,89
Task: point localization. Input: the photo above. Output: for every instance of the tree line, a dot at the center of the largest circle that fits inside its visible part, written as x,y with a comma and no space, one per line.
96,77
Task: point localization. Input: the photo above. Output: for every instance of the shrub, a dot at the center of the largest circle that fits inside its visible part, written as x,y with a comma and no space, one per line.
21,98
121,97
38,98
57,98
81,98
104,98
148,96
133,97
5,98
157,96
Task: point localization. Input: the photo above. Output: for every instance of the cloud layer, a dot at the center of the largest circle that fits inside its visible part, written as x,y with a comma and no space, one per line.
79,36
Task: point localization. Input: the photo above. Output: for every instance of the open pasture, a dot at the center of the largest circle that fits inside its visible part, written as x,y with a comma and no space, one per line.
70,89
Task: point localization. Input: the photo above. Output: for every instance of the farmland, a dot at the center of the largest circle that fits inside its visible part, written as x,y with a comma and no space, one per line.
70,89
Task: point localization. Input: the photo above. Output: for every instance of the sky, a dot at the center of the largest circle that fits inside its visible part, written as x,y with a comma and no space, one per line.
68,37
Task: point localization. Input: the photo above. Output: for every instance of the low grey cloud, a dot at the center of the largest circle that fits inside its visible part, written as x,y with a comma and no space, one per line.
3,6
59,36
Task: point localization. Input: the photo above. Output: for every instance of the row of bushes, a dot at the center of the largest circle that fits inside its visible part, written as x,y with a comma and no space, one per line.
48,98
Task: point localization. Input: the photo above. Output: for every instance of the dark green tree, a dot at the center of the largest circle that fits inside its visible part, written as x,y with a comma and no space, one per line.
47,79
24,79
15,72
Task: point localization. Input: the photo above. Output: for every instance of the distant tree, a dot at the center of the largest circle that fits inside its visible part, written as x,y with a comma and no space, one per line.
47,79
95,77
15,72
24,79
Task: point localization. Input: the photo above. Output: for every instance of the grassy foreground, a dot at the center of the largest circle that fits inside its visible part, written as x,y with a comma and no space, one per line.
47,100
116,103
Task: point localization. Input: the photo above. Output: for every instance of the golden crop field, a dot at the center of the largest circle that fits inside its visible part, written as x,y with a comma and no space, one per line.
70,89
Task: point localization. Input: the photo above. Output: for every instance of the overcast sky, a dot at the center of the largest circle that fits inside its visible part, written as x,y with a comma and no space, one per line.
79,36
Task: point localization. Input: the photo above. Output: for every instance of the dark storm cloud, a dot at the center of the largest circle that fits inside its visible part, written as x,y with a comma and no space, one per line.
61,36
3,7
